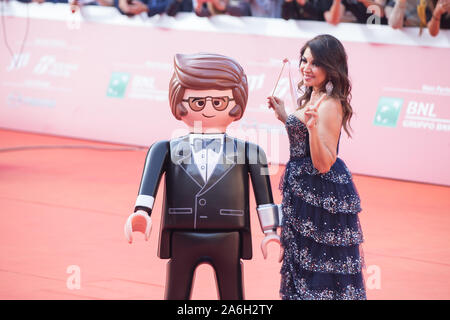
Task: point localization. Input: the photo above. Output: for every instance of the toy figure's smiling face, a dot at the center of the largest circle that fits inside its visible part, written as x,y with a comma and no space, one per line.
208,110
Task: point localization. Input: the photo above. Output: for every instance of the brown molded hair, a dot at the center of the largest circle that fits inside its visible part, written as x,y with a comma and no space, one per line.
329,53
207,71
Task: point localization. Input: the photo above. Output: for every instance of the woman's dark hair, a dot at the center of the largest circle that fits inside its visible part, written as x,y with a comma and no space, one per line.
329,54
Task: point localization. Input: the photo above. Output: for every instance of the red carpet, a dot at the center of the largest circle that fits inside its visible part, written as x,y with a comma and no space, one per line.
67,207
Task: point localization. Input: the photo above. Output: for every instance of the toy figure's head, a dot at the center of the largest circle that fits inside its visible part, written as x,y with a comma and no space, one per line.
207,91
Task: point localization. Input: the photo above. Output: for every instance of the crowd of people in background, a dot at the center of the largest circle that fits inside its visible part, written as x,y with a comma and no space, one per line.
431,14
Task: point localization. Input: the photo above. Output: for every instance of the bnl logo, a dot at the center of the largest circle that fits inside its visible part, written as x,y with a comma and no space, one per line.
118,84
388,111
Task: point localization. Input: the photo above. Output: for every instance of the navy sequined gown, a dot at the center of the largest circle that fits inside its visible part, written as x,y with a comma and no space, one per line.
321,233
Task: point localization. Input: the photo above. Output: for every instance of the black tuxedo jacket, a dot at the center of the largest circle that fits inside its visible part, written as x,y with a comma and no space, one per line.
220,204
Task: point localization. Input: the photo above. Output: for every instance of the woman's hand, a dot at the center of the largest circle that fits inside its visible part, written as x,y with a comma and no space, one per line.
278,106
311,114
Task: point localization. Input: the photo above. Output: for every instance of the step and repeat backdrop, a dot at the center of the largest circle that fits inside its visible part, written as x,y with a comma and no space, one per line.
98,75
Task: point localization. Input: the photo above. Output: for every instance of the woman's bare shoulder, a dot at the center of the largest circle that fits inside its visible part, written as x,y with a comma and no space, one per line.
330,111
331,106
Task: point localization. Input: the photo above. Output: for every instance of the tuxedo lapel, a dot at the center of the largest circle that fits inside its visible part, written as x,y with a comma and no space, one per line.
226,162
183,157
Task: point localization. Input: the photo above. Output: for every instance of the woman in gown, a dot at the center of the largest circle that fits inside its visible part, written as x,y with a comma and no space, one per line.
321,234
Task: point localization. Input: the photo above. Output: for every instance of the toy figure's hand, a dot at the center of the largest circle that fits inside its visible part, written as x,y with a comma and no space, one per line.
138,221
271,237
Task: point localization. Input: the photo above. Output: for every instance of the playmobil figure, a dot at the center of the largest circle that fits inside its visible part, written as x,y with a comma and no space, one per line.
205,214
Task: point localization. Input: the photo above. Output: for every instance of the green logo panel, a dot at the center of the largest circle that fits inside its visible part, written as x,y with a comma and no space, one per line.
118,84
388,111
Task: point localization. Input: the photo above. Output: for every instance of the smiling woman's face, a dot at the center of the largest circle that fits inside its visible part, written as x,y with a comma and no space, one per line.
313,74
202,116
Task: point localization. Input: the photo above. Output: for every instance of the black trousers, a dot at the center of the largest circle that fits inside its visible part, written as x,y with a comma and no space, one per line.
189,249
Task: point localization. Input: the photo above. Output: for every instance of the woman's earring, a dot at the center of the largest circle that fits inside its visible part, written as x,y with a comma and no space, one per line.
329,88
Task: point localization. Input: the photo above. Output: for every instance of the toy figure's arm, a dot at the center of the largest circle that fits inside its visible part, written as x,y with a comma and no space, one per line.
154,168
267,210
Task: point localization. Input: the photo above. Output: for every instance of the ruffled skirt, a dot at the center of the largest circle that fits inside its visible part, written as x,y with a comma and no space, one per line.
321,233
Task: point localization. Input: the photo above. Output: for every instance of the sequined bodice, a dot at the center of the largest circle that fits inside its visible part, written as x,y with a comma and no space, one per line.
298,137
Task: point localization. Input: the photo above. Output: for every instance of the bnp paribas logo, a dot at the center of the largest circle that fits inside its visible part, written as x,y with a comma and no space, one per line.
118,84
388,111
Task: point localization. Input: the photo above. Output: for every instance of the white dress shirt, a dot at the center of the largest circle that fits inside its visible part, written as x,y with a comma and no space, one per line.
206,159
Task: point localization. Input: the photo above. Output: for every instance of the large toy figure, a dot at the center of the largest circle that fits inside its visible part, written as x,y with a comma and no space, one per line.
205,215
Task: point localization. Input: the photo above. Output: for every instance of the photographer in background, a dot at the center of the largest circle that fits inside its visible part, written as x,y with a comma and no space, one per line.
266,8
360,9
179,6
105,3
134,7
208,8
440,18
402,13
305,9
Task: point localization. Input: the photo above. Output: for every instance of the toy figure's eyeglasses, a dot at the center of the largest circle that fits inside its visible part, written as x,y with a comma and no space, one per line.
199,103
